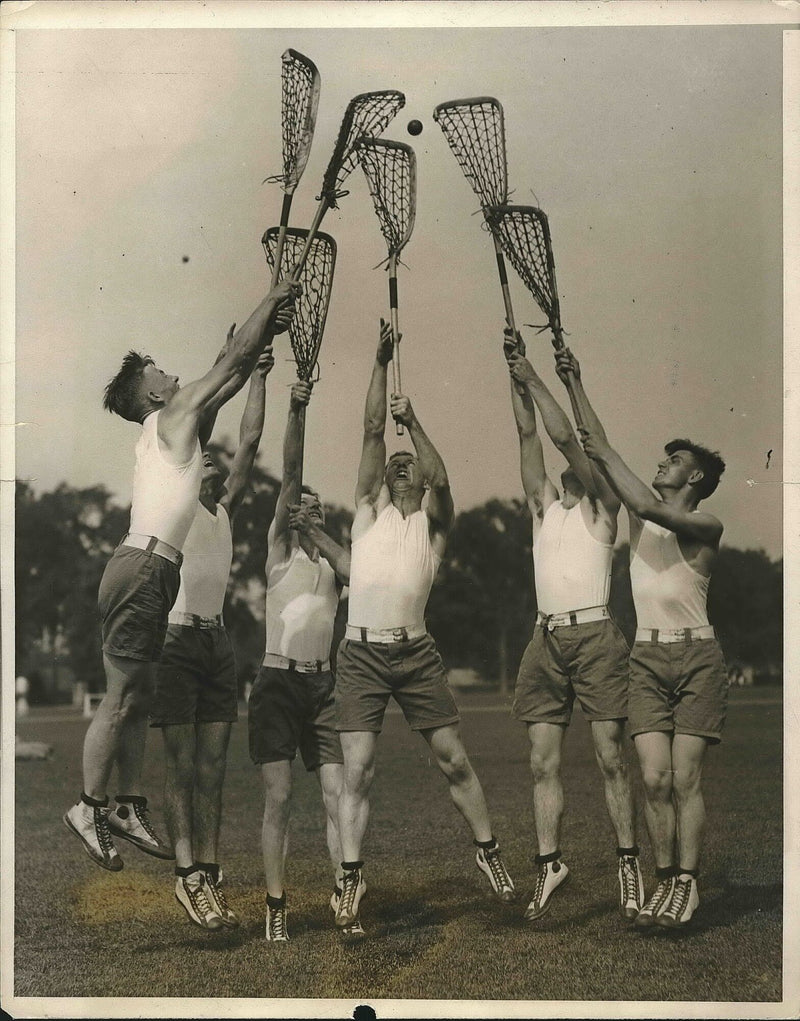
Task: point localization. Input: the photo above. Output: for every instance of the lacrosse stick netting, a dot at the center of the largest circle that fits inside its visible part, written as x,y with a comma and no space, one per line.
391,172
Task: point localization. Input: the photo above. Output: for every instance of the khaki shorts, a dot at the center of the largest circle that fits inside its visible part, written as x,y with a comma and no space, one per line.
678,687
290,710
196,679
584,661
412,672
137,591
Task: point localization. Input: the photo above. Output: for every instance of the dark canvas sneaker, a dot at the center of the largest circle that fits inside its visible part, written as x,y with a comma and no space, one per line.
353,889
631,886
277,931
216,897
552,875
682,904
489,861
90,826
191,893
130,820
658,901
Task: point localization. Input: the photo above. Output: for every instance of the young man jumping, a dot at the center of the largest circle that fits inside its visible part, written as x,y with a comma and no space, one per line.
142,578
577,651
678,687
387,652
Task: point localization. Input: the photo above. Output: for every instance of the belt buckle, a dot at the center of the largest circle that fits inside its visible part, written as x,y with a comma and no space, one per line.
399,634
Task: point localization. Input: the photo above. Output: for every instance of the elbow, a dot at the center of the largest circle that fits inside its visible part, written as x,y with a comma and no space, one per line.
374,427
562,440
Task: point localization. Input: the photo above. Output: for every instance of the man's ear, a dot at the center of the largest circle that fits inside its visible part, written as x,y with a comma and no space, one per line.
696,476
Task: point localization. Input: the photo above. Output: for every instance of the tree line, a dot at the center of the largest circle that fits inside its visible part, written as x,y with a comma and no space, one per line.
481,610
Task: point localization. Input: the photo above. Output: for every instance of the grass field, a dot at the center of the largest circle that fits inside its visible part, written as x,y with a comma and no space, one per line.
435,932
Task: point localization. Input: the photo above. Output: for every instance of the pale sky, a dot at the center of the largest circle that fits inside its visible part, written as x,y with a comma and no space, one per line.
655,151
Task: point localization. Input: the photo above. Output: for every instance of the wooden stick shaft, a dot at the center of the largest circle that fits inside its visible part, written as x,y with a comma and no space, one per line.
287,205
501,269
302,423
558,344
322,209
393,317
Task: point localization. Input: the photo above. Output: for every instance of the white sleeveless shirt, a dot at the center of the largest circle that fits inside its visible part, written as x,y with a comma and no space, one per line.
207,558
572,569
667,592
301,607
392,567
164,497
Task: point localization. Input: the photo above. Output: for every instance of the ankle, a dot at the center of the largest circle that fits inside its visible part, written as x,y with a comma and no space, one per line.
276,902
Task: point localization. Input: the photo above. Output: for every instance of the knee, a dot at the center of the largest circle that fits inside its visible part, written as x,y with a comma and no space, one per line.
358,778
210,769
611,761
658,783
277,799
686,784
544,766
456,766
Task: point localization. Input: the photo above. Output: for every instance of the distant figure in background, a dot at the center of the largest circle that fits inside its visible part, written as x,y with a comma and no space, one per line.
196,698
142,578
577,651
679,687
21,689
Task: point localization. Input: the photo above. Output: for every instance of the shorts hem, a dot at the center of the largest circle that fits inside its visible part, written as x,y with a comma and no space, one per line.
140,656
261,761
652,730
435,726
327,762
161,722
538,719
606,719
357,730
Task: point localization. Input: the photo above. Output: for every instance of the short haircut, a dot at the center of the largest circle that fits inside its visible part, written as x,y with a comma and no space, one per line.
309,492
708,461
123,396
400,453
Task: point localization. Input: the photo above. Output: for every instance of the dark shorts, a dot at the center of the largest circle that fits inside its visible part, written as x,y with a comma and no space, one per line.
290,710
678,687
196,679
585,661
137,591
412,672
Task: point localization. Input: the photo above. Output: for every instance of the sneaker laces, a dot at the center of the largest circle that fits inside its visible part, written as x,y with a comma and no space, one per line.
140,811
218,895
658,897
630,882
197,895
350,884
277,923
499,874
541,879
102,831
680,898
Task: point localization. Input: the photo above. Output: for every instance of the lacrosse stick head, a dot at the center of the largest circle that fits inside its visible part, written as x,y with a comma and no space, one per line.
391,172
300,85
524,236
366,115
475,132
316,276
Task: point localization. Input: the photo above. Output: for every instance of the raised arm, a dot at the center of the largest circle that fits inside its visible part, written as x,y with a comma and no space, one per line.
337,556
280,531
373,448
250,429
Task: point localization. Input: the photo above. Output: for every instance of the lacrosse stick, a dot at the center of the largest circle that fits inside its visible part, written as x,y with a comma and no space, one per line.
473,128
311,308
367,114
300,85
524,234
391,172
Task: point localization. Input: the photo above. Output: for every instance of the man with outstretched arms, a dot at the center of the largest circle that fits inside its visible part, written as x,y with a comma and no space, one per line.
142,578
196,697
678,686
396,550
577,651
291,702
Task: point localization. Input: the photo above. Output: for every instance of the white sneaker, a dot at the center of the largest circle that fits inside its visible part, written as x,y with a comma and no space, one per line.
682,904
90,826
217,899
130,820
658,901
191,893
489,861
277,931
353,932
335,898
353,890
631,886
552,874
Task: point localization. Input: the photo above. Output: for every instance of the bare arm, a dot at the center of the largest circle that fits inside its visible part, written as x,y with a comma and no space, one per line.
290,479
440,501
337,556
373,449
250,429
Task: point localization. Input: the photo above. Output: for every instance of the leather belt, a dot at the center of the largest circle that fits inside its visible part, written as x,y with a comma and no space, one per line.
573,617
153,545
313,666
659,636
384,636
194,620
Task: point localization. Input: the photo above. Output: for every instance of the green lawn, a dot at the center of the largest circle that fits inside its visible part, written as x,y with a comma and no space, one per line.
434,931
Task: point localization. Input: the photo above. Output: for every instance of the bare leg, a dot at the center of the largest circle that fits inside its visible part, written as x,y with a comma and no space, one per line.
330,776
546,741
359,769
118,730
688,754
608,745
465,787
212,751
179,761
655,759
277,778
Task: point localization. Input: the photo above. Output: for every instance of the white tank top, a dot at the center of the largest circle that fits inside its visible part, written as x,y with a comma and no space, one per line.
164,498
572,569
301,607
392,567
667,592
207,557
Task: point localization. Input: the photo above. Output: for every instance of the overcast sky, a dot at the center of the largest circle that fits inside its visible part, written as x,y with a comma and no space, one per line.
655,151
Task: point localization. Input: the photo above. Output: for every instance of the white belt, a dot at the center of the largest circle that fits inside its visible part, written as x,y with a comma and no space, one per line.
658,636
153,545
573,617
194,620
384,636
313,666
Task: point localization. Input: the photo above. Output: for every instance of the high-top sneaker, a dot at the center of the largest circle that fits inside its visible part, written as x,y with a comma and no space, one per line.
89,823
353,890
216,896
552,875
631,886
682,904
191,893
131,821
489,862
658,901
276,930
